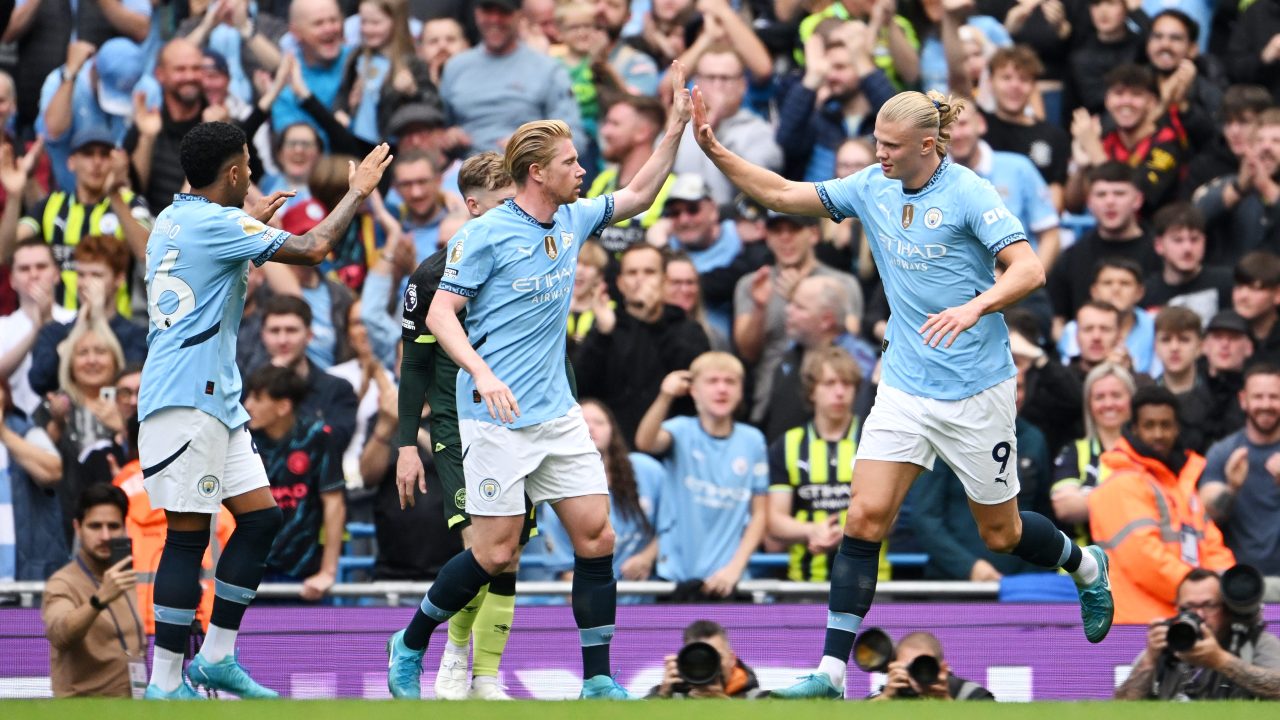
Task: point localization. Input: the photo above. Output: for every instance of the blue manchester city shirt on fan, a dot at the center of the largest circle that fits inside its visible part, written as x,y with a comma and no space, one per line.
935,248
519,274
198,258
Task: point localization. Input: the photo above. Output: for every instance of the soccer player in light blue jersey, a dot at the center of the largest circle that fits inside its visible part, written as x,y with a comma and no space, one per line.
513,270
948,380
194,446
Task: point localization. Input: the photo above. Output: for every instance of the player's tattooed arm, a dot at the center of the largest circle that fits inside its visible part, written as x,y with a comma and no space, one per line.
313,247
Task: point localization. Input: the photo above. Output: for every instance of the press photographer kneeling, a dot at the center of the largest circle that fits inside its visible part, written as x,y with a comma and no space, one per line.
1215,648
707,667
916,668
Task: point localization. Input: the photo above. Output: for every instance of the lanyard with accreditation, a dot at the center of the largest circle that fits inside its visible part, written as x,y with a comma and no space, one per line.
138,678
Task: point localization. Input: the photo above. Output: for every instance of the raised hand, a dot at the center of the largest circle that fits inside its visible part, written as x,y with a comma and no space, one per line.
702,131
681,101
364,178
14,170
147,120
676,383
78,53
266,207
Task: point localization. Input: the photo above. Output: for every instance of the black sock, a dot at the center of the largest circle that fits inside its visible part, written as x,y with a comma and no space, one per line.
177,588
242,565
456,585
503,584
853,587
1043,544
595,608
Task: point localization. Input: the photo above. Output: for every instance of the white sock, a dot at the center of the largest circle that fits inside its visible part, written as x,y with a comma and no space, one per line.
834,669
1088,571
166,669
452,649
219,643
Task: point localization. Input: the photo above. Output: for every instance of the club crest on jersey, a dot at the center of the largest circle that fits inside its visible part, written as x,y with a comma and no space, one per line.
549,244
456,255
908,214
566,239
932,218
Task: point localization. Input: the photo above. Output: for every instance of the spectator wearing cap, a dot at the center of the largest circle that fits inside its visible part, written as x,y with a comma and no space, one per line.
722,78
1143,137
41,29
624,358
1255,297
421,127
1185,280
154,140
760,300
1228,345
316,26
491,89
99,203
839,81
697,229
94,88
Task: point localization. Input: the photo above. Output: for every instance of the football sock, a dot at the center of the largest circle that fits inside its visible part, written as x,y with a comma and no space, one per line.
595,606
176,596
1043,544
460,624
237,576
853,587
493,625
458,582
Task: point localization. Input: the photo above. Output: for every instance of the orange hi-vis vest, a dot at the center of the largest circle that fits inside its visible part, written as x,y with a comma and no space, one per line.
1155,531
146,527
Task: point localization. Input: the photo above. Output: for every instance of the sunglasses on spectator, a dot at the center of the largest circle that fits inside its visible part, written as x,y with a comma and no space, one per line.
677,209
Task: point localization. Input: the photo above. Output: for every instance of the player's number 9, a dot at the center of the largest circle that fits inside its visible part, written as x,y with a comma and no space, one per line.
181,302
1000,453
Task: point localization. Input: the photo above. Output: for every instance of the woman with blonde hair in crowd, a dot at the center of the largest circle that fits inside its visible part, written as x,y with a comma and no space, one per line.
1108,389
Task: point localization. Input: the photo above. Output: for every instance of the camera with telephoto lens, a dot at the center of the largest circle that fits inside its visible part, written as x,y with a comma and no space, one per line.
1184,631
698,663
873,651
1242,590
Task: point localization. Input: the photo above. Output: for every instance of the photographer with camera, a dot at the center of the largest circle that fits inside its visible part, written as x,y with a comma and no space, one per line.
707,667
96,642
1214,648
917,668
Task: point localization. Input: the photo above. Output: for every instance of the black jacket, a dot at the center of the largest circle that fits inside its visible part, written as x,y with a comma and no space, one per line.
625,368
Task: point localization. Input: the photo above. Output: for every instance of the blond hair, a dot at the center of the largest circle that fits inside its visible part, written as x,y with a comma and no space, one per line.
1106,369
931,113
485,171
534,143
83,328
593,255
717,360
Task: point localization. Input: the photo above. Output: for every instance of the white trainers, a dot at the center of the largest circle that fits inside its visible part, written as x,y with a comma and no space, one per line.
488,691
451,679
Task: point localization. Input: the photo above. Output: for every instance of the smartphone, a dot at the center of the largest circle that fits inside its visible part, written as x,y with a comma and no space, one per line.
107,393
121,548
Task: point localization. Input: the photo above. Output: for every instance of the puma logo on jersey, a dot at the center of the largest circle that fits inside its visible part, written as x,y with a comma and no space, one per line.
525,251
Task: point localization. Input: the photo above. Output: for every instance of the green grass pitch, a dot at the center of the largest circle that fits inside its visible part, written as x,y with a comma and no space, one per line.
647,710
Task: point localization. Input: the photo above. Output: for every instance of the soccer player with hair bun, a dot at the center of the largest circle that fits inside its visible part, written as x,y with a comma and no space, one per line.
948,388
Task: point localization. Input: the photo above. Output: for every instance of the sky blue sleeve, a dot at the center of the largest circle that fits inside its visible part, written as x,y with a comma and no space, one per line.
470,261
988,218
840,196
234,236
590,215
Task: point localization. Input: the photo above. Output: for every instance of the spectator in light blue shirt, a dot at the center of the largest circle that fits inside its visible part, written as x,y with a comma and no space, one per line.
711,507
316,26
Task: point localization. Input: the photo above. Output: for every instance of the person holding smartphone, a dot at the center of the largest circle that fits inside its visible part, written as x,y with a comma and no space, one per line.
96,642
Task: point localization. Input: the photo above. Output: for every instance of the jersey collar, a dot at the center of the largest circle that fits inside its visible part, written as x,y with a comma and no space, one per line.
937,175
519,211
188,197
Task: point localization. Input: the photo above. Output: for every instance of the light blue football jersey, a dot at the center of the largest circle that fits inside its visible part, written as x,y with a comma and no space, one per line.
518,274
935,248
704,504
198,258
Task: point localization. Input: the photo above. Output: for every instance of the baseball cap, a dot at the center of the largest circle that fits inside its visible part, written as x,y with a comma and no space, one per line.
416,113
219,61
1231,321
119,63
798,220
303,216
91,135
689,187
508,5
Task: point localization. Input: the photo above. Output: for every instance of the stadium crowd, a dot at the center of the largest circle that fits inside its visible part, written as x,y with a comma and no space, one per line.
725,355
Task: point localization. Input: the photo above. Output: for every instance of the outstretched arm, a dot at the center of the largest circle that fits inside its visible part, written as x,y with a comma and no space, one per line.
643,189
312,248
769,188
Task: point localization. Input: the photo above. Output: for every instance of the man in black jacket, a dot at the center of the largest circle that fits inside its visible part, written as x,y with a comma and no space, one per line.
627,354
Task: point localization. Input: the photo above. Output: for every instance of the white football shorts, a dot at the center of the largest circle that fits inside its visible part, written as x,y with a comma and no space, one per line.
191,462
